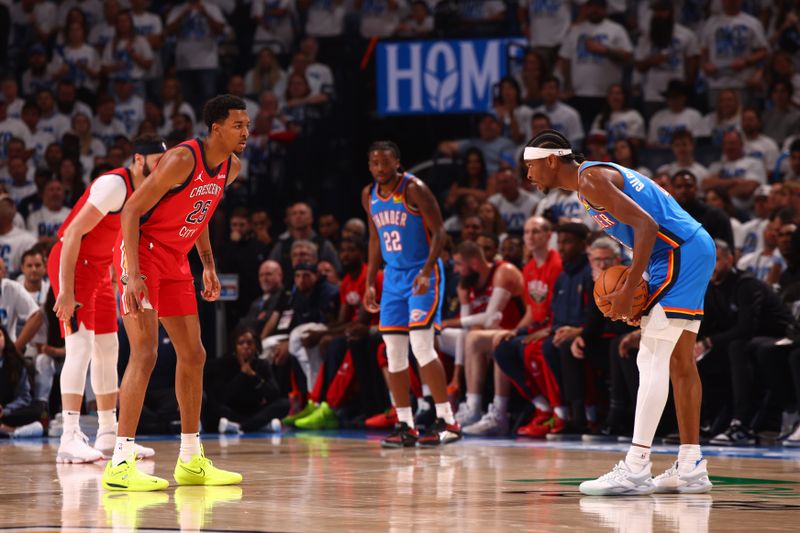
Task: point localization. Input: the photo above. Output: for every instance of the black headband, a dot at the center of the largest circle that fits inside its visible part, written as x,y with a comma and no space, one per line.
150,148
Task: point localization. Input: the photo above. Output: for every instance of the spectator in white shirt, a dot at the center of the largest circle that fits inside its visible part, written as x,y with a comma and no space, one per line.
39,74
51,120
266,75
727,117
492,145
564,118
592,56
197,25
738,174
39,139
752,231
21,184
317,73
273,19
324,18
766,263
545,24
45,221
666,51
379,18
11,128
514,204
781,118
683,150
756,144
127,55
106,126
618,120
77,61
10,90
236,88
733,47
129,107
13,240
102,32
67,101
151,28
674,118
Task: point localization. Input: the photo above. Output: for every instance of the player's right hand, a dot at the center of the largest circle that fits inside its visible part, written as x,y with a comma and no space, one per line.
370,301
134,295
65,305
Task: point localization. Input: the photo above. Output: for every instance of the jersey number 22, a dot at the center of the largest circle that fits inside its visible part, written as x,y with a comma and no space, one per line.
392,241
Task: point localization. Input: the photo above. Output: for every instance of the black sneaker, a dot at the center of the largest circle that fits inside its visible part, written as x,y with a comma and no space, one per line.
402,437
735,435
440,433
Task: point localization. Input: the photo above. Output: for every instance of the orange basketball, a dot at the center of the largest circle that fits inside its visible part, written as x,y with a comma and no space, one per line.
613,279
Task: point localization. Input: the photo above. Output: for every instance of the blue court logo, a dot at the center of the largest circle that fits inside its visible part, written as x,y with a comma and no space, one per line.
430,77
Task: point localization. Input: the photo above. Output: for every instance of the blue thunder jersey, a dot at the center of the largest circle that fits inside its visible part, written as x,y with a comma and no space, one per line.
405,242
675,226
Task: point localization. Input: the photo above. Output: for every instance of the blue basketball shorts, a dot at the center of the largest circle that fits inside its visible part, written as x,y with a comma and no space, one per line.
401,310
679,277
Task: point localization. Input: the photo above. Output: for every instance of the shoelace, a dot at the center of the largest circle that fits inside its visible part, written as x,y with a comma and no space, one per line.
671,471
617,473
82,436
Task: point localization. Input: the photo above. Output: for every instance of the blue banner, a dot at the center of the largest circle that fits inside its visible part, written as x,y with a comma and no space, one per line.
432,77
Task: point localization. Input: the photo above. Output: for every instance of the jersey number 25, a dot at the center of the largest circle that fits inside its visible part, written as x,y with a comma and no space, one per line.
198,214
392,241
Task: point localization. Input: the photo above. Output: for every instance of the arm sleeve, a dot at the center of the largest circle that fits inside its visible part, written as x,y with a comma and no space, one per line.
108,193
494,311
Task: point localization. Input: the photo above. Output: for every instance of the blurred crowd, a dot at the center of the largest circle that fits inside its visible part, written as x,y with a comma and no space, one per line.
700,95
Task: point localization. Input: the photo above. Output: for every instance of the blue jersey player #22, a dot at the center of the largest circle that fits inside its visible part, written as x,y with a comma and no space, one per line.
683,255
405,245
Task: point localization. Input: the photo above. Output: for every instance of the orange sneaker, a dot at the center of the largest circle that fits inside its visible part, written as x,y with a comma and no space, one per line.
543,423
385,420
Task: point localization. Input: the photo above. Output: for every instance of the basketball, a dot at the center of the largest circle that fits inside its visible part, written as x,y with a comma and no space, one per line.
613,279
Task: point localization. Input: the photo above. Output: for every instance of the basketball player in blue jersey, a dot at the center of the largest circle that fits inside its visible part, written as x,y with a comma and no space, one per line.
676,256
406,231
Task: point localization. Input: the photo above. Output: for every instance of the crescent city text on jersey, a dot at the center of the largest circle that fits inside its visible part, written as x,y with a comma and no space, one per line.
390,217
208,188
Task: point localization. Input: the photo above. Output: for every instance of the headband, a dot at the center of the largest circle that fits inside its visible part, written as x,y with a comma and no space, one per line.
532,153
150,148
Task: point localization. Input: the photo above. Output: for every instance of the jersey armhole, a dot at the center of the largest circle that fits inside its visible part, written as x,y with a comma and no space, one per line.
413,210
188,179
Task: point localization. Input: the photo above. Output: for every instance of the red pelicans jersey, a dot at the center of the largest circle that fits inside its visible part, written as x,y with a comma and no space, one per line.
99,243
479,300
178,219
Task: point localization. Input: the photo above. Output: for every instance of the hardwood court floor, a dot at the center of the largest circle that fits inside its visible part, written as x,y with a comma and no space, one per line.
346,482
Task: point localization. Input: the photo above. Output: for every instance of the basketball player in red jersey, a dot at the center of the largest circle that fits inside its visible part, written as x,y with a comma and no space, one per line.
79,271
161,222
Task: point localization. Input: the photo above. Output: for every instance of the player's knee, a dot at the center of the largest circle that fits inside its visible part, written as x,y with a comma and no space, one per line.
682,367
396,353
144,358
422,346
195,357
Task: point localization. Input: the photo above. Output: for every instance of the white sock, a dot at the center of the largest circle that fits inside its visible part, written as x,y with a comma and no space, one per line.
688,456
474,402
190,446
443,410
71,421
541,403
500,404
404,415
426,391
391,399
562,412
591,413
122,450
637,458
106,420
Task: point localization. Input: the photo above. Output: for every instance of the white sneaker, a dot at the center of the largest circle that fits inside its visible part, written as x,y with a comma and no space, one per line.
492,423
104,442
694,482
28,431
793,440
465,416
225,426
74,448
621,481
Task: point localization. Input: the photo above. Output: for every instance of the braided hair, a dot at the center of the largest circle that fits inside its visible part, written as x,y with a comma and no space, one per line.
554,139
381,146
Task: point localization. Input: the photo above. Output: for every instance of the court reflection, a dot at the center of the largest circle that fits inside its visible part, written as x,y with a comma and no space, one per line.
673,512
195,505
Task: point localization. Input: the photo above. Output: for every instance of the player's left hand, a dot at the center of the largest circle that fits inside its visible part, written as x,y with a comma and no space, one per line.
621,304
211,286
422,283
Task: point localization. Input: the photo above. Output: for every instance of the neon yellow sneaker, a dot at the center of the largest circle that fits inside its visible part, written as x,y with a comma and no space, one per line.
201,471
123,508
307,410
195,505
322,418
126,476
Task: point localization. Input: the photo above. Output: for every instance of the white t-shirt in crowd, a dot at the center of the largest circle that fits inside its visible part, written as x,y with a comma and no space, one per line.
131,114
13,128
83,55
700,172
760,265
517,212
40,140
729,38
19,192
148,24
40,296
325,18
196,45
57,124
377,20
548,22
13,244
565,119
593,74
711,127
627,124
15,305
120,55
272,28
101,35
664,123
763,148
45,223
107,132
752,235
744,167
655,80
